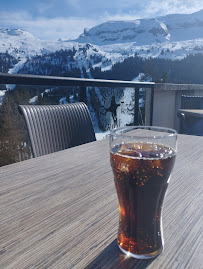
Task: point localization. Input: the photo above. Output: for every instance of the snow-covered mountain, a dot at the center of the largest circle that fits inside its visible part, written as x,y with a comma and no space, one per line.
103,48
171,36
173,28
24,47
18,42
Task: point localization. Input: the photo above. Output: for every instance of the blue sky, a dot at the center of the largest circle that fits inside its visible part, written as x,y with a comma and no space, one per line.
54,19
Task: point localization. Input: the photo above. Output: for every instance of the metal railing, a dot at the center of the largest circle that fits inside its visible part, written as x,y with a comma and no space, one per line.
14,143
82,83
162,103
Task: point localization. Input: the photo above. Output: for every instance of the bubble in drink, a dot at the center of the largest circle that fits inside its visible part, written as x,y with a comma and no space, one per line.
141,175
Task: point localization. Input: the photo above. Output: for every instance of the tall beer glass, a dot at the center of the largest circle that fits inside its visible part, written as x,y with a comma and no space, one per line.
142,158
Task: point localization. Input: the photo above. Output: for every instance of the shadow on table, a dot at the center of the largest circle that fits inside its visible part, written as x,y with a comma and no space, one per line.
112,257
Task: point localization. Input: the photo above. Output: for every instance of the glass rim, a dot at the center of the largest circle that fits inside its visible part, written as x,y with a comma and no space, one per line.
171,133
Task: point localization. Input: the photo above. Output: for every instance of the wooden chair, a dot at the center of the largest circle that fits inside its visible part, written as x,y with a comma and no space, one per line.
188,124
53,128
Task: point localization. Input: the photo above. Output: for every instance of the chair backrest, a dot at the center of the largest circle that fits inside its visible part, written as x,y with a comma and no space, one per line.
53,128
191,102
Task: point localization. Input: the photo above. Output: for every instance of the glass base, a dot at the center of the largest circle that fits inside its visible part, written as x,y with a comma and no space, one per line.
142,256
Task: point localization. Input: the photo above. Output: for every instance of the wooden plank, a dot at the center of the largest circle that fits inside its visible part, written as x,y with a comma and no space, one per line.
61,211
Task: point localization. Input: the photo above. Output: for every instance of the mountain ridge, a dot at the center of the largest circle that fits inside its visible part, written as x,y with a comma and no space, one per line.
178,26
171,37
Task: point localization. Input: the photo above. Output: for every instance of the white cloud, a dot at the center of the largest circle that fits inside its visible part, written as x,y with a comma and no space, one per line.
46,28
10,17
144,8
158,8
153,8
90,13
44,7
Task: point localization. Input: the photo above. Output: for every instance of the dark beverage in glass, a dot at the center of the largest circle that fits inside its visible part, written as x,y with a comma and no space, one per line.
141,173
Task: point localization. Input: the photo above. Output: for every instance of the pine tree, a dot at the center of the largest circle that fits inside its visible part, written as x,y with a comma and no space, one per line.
14,144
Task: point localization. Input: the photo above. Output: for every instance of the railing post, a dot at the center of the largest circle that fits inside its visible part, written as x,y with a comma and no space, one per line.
152,105
149,95
136,106
83,94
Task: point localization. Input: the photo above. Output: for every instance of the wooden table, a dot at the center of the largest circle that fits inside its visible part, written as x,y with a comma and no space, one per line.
192,112
61,211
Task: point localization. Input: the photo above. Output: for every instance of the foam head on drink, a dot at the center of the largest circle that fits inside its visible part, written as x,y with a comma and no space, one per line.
141,175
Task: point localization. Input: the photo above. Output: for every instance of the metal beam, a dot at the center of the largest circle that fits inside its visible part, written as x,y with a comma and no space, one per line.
23,79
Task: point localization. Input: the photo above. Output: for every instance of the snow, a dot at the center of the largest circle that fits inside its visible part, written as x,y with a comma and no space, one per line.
171,37
33,100
175,27
176,35
18,66
63,100
102,135
17,32
2,92
124,112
